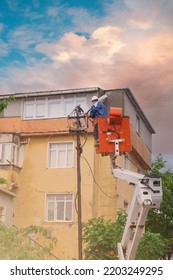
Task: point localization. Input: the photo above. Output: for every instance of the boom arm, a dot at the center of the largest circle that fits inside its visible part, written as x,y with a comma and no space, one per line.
147,194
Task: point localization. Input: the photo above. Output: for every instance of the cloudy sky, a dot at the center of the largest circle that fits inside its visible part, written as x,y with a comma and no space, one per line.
58,44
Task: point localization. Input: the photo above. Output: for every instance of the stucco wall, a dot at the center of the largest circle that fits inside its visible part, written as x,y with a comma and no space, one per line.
37,180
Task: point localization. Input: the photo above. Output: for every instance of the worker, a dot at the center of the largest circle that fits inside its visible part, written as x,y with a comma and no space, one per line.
98,109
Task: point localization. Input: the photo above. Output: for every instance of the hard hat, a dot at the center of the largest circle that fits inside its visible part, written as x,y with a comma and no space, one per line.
94,98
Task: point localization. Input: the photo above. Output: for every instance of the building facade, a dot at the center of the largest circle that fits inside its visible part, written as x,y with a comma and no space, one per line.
38,159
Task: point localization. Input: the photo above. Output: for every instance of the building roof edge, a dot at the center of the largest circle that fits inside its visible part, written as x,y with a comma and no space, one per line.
51,92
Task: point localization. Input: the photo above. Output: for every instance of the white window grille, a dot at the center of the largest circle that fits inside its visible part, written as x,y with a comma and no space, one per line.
40,108
60,155
59,207
54,107
29,109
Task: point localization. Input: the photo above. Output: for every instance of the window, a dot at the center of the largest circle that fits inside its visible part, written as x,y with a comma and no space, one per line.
69,105
2,213
40,108
9,153
5,153
29,109
60,155
53,107
59,207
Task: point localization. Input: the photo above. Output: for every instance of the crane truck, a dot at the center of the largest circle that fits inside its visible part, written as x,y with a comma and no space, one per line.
114,139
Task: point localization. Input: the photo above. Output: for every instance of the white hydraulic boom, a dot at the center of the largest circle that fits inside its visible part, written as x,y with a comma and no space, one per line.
147,194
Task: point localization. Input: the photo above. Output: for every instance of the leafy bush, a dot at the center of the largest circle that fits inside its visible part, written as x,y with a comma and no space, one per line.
17,244
101,237
151,247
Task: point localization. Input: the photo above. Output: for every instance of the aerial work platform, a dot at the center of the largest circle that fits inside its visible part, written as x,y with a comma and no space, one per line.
114,136
114,139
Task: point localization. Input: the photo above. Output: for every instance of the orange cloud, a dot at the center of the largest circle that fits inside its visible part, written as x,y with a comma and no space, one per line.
112,57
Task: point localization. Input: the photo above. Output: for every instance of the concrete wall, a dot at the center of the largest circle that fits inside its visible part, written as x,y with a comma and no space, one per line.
14,109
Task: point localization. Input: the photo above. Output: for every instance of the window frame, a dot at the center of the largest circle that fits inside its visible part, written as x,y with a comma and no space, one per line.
48,155
65,208
2,213
14,154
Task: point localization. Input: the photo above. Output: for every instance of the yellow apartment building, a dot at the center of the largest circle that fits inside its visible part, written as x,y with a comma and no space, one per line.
38,159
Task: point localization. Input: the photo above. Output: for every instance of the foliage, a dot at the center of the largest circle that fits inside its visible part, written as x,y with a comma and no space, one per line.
151,247
169,248
161,220
101,237
17,244
3,181
5,102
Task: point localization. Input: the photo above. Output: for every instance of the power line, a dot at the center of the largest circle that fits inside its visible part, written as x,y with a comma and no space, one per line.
112,197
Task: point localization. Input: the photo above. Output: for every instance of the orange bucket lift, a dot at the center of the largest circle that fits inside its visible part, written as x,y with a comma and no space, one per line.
114,136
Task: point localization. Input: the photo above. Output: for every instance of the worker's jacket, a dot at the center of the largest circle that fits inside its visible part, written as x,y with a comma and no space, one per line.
98,111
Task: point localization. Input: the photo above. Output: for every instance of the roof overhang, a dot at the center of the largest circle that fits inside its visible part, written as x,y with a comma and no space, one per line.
51,92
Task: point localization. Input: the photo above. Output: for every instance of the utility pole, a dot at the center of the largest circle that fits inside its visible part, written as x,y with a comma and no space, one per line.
76,127
79,151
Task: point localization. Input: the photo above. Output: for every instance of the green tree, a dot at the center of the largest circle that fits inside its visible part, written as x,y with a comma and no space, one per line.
4,103
3,181
101,237
151,247
17,244
161,220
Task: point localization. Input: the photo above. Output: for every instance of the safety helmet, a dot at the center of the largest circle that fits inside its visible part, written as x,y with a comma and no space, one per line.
94,98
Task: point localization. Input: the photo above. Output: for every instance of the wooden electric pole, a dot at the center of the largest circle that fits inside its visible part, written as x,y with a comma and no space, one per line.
78,129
